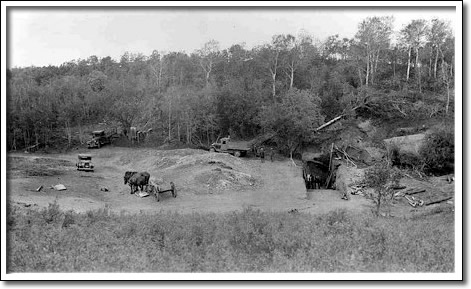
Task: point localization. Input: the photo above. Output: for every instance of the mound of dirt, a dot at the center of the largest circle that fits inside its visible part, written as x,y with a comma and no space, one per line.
218,180
192,170
204,173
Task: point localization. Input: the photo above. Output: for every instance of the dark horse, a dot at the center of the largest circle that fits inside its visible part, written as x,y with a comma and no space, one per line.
136,180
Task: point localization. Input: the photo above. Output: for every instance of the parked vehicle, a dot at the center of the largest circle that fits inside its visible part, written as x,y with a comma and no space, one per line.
225,145
84,163
99,138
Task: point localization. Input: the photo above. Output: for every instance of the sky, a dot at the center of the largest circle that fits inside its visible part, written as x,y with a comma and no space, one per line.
51,36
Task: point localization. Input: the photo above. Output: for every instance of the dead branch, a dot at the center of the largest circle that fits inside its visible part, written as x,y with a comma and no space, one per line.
348,158
396,106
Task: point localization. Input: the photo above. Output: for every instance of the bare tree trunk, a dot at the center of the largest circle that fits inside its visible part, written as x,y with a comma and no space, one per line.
360,77
418,69
436,63
376,67
273,76
291,157
169,121
447,96
367,70
160,76
394,64
408,63
446,79
292,76
430,63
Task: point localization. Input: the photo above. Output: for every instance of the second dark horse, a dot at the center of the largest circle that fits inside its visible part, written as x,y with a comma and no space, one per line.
136,180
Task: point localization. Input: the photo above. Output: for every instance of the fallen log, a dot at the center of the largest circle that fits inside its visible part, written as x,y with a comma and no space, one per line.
334,120
329,122
438,201
412,192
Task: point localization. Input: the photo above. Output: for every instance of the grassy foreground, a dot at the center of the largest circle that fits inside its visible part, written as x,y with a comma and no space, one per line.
51,240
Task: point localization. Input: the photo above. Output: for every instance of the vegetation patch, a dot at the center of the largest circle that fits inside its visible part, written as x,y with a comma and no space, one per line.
51,240
438,151
22,167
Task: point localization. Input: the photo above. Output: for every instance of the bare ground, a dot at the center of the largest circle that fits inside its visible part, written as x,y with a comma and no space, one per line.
206,182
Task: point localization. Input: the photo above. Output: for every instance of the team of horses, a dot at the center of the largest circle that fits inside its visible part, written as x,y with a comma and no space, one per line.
141,181
136,180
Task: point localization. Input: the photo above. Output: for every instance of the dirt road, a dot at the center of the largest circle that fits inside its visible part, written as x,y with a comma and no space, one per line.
280,186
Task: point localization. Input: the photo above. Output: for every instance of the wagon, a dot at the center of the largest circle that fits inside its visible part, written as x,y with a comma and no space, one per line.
84,163
157,191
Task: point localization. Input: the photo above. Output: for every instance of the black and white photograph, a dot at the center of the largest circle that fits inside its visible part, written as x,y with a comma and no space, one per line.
211,141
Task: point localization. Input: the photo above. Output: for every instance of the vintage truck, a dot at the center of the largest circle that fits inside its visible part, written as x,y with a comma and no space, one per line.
99,138
225,145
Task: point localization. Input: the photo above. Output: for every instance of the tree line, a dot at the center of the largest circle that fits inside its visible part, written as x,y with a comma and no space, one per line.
288,87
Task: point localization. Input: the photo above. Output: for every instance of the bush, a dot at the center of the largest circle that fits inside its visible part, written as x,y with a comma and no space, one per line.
381,177
438,151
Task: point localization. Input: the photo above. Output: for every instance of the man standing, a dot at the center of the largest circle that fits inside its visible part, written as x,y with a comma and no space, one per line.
309,181
272,153
262,154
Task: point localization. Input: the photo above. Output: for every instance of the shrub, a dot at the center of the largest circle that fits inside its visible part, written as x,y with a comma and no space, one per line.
438,151
52,213
381,177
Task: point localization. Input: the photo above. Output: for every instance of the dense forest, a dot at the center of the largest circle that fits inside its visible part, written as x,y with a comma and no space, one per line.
288,87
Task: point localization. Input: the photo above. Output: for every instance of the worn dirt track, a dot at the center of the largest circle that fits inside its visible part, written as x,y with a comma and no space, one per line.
280,186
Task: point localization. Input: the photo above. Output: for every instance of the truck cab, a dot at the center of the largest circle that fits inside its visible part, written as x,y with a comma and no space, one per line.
99,138
225,145
221,144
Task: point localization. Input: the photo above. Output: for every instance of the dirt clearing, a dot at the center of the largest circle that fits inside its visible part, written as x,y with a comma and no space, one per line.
206,182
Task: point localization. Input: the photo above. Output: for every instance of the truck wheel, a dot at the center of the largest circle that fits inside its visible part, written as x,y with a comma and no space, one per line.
212,150
237,154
